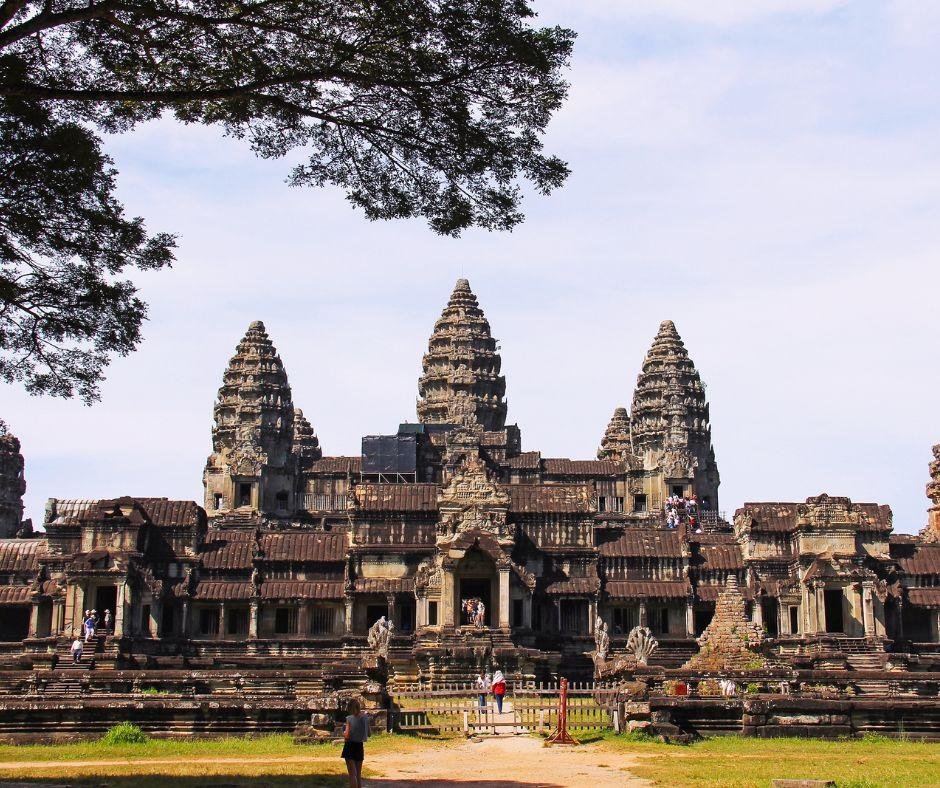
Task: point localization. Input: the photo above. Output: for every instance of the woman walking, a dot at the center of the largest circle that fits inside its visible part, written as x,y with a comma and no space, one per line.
499,689
355,734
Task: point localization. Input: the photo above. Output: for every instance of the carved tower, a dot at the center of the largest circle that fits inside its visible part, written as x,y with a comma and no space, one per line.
461,383
252,464
12,483
617,443
670,423
932,532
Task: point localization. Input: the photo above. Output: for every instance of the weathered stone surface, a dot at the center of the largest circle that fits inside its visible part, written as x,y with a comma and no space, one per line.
730,642
12,483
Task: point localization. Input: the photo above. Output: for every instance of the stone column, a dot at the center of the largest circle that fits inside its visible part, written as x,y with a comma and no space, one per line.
392,609
421,611
303,620
156,614
642,614
868,608
592,614
254,611
33,619
820,608
557,615
527,610
58,616
184,623
504,597
120,610
757,612
936,626
223,618
348,622
689,621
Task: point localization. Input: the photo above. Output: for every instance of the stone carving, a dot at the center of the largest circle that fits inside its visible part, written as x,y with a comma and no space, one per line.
380,636
617,442
641,644
472,501
12,483
931,533
461,383
601,639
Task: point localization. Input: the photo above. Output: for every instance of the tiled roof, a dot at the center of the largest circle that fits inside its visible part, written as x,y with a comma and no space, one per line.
925,561
528,460
304,546
162,512
562,466
573,585
924,597
382,585
14,595
564,498
644,542
226,549
223,591
397,497
337,465
659,589
19,555
302,589
721,556
782,517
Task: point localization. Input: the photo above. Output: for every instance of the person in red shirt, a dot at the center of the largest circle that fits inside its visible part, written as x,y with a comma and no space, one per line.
499,689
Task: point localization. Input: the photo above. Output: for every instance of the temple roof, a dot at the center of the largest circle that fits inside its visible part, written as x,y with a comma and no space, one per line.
924,561
19,555
397,497
643,542
617,440
460,383
655,589
561,498
160,512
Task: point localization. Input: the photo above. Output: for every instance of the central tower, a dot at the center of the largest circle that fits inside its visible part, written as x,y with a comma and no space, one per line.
460,381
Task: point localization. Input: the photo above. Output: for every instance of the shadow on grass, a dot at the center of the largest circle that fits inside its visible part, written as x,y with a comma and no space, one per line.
262,781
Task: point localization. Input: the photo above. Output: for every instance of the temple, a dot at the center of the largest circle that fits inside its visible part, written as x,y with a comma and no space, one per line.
294,554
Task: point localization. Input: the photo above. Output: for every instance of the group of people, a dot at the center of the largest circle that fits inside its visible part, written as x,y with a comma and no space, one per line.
495,684
91,623
475,612
676,506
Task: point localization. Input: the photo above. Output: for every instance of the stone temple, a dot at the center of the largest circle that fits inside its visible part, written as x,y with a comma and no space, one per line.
294,553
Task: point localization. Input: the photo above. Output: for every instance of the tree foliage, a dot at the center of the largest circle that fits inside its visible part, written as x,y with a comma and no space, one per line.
414,108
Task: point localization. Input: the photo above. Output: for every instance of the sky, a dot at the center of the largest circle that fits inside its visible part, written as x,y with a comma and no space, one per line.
764,173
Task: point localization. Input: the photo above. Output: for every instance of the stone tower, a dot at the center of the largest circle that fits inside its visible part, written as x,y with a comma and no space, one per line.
252,464
12,483
306,445
670,422
617,443
461,383
932,532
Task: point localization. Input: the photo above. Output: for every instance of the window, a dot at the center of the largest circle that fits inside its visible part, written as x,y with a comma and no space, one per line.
432,614
574,615
168,624
794,620
406,617
659,620
610,503
321,620
236,622
244,494
285,621
282,500
639,503
209,621
217,501
678,489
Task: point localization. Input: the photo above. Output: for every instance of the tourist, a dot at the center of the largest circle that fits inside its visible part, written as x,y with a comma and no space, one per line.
355,735
499,689
89,625
481,614
483,688
77,648
107,621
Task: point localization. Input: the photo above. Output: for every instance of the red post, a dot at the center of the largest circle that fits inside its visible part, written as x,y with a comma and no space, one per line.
561,735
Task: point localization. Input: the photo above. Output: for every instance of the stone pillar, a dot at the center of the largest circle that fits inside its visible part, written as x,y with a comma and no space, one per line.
120,610
392,609
757,611
58,616
447,614
421,611
820,608
33,619
642,614
868,608
527,610
184,622
254,612
303,619
223,618
592,614
156,615
504,597
557,603
349,615
689,621
935,626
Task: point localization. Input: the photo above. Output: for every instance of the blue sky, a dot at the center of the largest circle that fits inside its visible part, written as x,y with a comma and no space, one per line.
764,173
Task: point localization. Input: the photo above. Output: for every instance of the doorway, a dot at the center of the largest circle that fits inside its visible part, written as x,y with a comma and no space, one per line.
833,604
476,588
106,599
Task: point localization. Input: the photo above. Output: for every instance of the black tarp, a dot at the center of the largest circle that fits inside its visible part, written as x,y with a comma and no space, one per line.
389,454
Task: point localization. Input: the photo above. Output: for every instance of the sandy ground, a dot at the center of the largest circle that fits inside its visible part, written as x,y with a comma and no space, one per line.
497,762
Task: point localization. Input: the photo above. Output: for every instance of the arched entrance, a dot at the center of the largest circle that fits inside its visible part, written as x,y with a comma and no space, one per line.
475,578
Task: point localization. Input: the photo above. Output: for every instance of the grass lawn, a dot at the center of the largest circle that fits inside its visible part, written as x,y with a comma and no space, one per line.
741,763
245,762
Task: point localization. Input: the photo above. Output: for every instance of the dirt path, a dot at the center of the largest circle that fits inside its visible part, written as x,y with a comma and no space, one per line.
505,762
